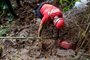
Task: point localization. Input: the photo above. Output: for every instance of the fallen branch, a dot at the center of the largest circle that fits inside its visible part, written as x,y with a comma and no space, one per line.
2,14
32,37
19,37
86,32
83,35
83,39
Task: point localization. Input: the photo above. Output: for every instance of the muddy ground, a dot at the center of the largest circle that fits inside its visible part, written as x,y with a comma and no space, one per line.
41,49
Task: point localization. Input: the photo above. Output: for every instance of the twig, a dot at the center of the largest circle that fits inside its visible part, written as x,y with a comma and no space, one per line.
84,38
88,40
2,14
87,28
85,34
32,37
19,37
82,41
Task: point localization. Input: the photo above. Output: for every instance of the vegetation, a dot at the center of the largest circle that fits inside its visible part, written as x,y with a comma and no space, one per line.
23,43
67,4
7,16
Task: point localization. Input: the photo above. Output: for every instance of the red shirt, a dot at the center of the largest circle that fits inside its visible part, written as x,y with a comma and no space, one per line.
49,12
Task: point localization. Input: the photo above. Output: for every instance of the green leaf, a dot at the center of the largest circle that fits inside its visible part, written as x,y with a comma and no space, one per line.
3,31
61,1
5,7
10,17
69,2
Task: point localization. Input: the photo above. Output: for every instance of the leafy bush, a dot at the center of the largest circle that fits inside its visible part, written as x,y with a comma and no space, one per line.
9,17
67,4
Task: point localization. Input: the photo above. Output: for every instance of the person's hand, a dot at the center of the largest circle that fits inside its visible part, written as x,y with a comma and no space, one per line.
40,29
39,35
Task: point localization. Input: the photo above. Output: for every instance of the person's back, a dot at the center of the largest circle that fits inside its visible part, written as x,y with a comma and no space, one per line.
49,11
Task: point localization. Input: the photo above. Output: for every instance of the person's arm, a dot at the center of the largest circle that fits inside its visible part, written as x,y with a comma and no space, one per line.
40,29
57,32
42,24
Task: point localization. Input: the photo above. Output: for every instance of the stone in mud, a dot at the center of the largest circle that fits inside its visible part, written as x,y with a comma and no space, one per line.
24,33
34,53
7,43
35,49
63,53
47,44
1,51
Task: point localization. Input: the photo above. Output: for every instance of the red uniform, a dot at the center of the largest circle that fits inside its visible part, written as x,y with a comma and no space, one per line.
49,12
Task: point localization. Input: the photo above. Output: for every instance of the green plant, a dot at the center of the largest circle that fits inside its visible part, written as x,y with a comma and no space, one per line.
4,9
69,4
9,17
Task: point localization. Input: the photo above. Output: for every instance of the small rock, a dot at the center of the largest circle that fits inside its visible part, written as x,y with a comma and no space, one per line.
1,51
35,49
47,44
7,43
63,53
24,33
42,59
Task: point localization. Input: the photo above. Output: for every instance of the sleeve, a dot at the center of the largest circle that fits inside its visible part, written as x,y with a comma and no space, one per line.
61,14
44,19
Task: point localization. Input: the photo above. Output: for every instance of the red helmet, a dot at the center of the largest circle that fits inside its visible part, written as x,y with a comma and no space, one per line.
64,44
59,23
